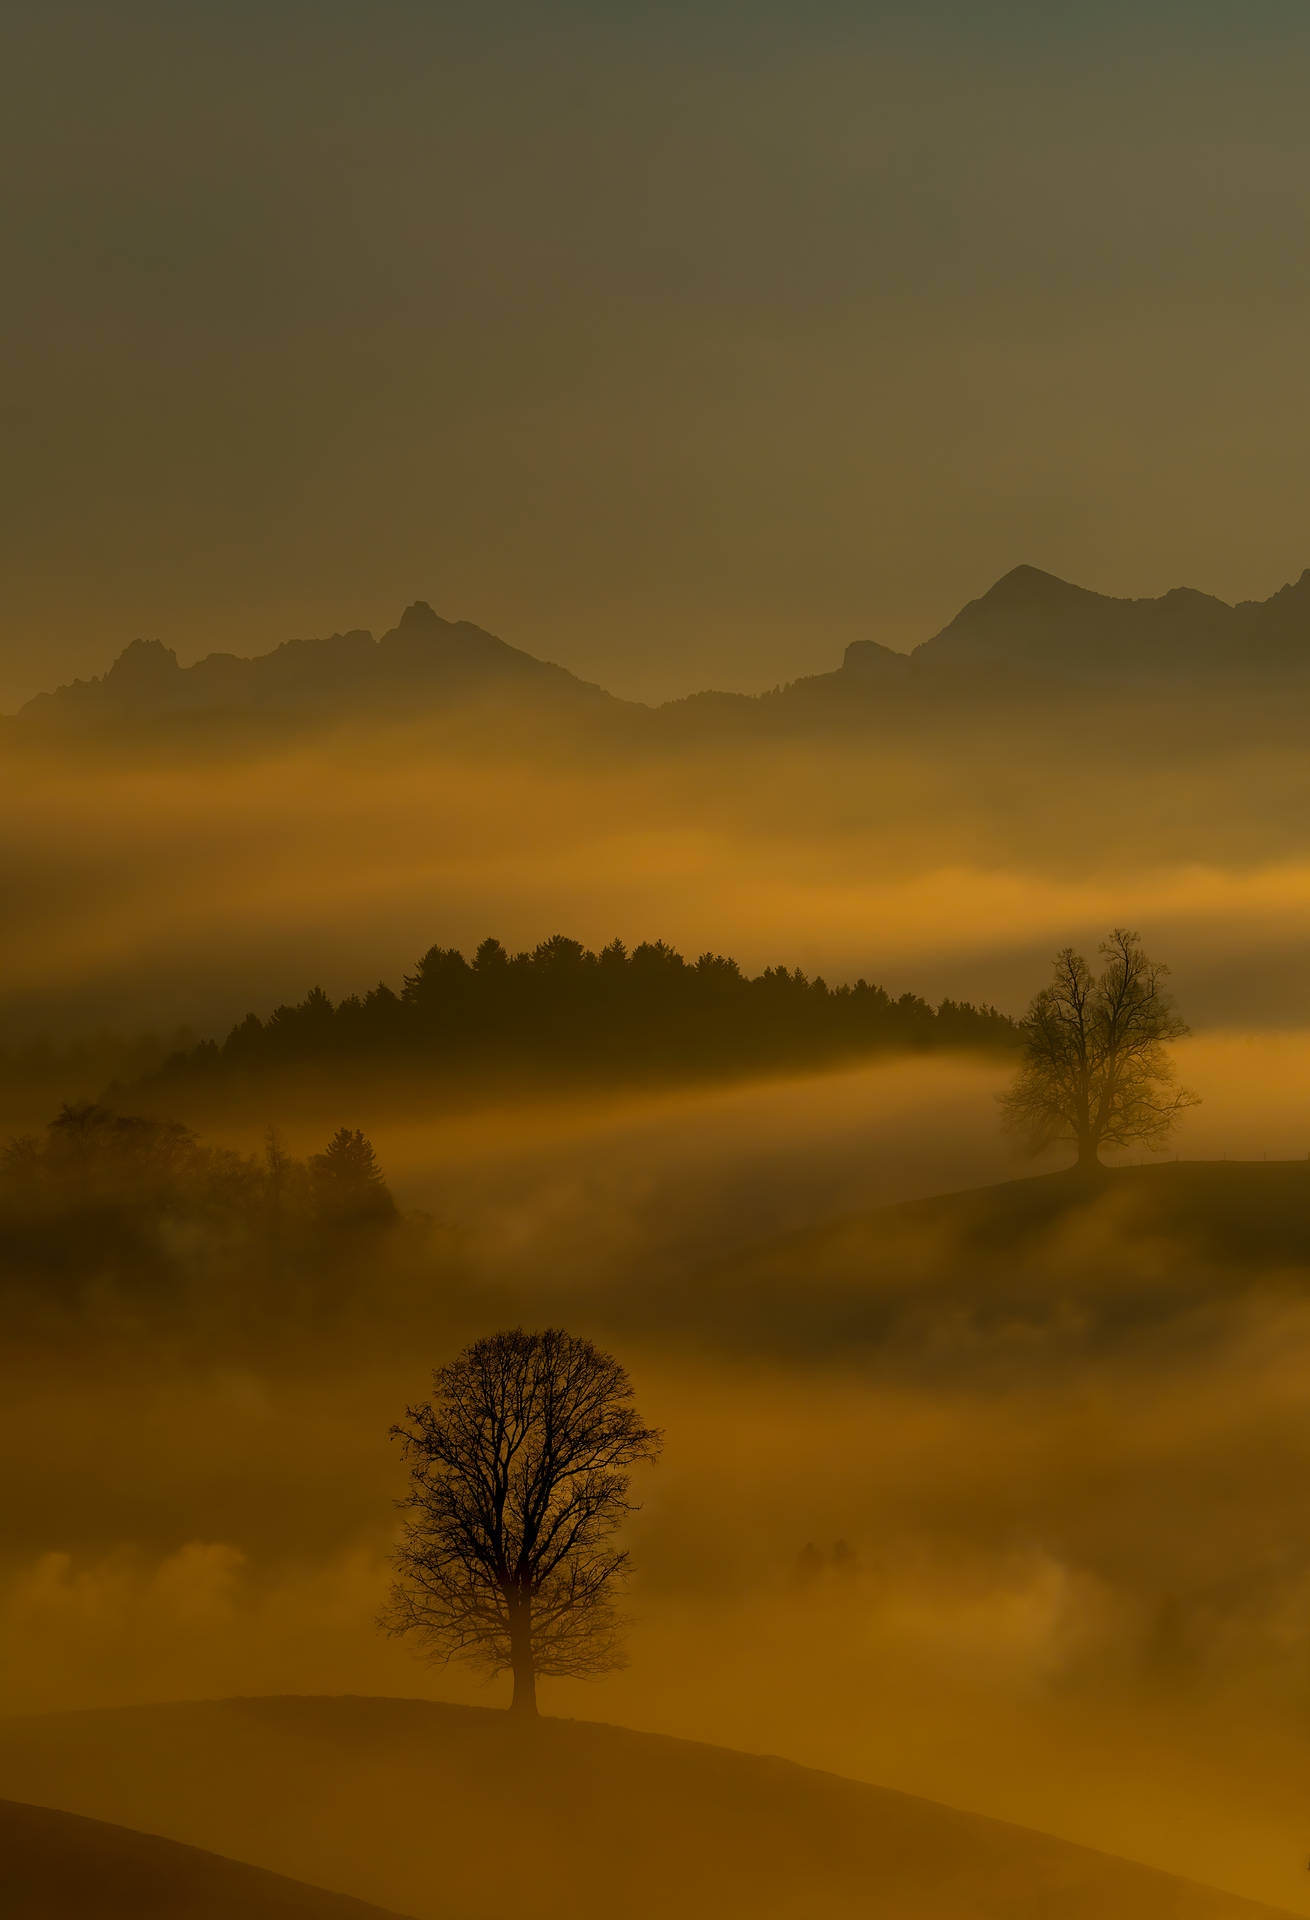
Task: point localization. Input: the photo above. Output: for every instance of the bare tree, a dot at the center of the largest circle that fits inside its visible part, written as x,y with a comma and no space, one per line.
1095,1071
519,1472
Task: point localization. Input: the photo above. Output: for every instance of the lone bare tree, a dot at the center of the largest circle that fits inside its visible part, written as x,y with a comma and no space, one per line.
1094,1069
519,1470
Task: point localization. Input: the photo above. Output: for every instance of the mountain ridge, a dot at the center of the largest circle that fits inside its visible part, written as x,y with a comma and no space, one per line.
422,653
1183,631
1030,632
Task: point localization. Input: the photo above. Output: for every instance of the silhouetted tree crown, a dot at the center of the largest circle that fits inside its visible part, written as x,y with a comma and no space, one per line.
519,1470
1094,1070
346,1180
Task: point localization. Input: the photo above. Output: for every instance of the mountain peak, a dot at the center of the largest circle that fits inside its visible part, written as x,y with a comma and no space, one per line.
418,614
1026,586
869,659
1040,624
1294,593
143,663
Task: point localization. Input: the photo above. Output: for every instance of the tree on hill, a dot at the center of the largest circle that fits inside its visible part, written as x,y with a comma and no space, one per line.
1094,1070
519,1470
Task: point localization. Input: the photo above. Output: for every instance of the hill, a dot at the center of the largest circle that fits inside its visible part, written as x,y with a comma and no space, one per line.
1073,1262
60,1866
561,1015
1256,1209
443,1810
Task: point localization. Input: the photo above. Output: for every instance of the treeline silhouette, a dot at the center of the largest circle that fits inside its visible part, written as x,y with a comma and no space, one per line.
137,1215
39,1074
562,1010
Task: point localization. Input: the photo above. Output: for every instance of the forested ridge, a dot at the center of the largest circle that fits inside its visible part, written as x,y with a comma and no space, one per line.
562,1010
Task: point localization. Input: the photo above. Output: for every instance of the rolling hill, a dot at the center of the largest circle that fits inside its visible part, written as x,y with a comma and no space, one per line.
61,1866
1077,1261
442,1811
1256,1209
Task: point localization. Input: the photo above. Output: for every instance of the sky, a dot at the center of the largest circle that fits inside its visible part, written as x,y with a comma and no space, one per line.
681,344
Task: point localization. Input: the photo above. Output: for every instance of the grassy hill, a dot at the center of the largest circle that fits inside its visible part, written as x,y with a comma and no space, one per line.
1255,1210
445,1811
60,1866
1258,1208
1079,1259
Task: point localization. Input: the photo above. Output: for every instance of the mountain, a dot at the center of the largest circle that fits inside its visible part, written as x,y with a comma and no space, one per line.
444,1811
1029,638
1032,621
60,1866
422,659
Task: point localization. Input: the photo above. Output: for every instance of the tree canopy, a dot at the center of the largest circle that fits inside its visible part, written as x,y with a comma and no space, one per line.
564,1011
346,1181
120,1206
1095,1071
519,1469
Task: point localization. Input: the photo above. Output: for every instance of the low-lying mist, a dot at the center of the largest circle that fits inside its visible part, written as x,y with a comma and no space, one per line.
1066,1465
152,888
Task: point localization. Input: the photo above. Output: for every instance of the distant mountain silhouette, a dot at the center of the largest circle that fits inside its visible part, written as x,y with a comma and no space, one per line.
1030,636
1031,620
422,658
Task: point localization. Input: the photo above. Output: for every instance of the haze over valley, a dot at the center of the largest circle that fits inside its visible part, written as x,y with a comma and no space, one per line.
655,994
890,1537
322,821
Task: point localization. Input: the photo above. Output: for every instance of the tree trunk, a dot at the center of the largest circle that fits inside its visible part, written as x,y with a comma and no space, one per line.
522,1664
1088,1159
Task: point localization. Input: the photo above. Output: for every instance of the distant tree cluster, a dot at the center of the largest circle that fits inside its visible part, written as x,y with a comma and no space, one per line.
564,1010
126,1205
813,1567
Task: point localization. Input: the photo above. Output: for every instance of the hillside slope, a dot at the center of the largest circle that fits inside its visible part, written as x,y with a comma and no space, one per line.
1078,1260
1256,1209
440,1810
58,1866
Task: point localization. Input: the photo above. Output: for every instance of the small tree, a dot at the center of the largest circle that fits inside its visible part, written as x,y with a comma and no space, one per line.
346,1180
1094,1070
518,1482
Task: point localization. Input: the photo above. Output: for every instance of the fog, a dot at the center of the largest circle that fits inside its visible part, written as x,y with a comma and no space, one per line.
692,349
1066,1458
1071,1467
190,884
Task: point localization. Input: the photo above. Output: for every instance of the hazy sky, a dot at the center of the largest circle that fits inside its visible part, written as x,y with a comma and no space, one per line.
681,343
